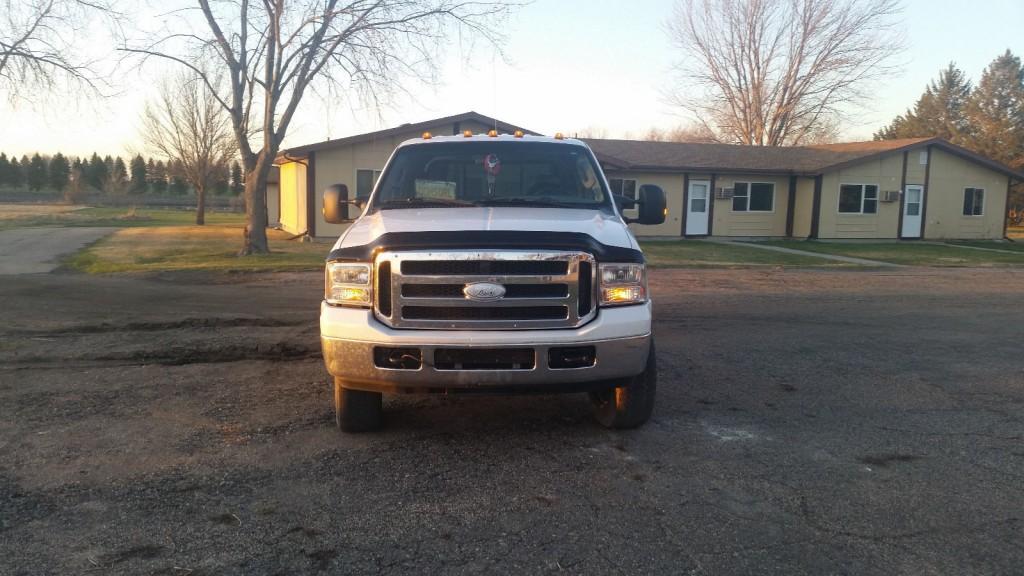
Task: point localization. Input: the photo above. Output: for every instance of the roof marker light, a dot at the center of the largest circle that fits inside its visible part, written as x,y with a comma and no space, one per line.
467,133
518,134
493,133
427,135
559,136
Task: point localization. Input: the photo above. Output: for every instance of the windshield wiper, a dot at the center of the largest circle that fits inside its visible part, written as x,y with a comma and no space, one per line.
538,202
423,203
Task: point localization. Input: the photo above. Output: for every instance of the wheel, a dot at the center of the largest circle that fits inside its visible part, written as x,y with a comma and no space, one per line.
356,410
629,404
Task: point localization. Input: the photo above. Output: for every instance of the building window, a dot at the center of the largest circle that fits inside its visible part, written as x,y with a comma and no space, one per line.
974,201
624,187
753,197
858,199
365,181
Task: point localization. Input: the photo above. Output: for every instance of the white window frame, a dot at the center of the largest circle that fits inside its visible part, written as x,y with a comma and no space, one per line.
732,205
355,180
635,210
976,189
863,198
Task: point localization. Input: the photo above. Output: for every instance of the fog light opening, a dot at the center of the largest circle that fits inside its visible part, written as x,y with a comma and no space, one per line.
397,358
572,357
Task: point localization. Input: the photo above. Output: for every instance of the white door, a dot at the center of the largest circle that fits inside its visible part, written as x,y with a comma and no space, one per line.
913,203
698,197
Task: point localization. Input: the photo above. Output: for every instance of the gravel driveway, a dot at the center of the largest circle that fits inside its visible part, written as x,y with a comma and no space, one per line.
840,422
38,250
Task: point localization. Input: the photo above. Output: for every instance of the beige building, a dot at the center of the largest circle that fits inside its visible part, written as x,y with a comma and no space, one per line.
915,188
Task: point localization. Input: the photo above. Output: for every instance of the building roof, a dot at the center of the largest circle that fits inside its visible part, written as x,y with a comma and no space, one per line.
301,151
802,160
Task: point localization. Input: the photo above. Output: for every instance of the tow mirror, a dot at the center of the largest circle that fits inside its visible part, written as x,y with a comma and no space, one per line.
337,204
653,206
651,202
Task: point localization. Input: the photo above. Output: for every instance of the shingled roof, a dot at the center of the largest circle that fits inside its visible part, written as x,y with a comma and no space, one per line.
725,158
471,116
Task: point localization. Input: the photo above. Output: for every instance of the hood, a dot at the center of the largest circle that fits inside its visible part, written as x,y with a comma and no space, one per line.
605,228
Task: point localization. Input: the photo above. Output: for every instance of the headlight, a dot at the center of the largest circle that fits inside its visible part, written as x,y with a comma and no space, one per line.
348,284
623,284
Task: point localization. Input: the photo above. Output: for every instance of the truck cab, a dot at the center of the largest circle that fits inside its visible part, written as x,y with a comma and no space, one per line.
489,263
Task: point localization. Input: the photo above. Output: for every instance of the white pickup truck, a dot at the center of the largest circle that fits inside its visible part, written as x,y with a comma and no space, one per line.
489,263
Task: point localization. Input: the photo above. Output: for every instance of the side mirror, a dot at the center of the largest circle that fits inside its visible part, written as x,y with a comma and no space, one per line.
653,205
337,203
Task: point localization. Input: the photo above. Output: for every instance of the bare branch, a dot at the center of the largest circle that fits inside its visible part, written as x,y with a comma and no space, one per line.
776,72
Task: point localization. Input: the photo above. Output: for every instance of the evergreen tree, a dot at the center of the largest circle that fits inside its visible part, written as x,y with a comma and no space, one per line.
939,112
138,169
178,186
59,172
17,175
120,171
96,173
35,176
996,111
158,177
108,161
237,184
5,171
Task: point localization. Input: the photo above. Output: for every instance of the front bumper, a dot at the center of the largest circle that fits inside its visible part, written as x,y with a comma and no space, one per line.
620,336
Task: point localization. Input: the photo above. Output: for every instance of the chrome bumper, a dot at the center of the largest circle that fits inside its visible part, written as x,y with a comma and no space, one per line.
353,362
621,337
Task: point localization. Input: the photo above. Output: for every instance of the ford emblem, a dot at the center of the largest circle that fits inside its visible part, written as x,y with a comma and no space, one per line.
484,291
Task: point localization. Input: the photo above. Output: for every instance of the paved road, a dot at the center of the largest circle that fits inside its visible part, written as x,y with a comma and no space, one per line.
38,250
808,422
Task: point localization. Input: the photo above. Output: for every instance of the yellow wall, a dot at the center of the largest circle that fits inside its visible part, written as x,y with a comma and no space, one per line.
886,173
293,197
804,208
729,223
672,184
944,213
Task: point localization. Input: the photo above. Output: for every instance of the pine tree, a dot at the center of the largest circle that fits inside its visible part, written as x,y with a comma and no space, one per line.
138,175
996,111
939,112
59,172
96,173
237,184
17,174
120,171
158,177
35,176
5,171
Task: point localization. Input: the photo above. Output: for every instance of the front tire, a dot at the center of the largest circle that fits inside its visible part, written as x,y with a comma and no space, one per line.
630,403
357,410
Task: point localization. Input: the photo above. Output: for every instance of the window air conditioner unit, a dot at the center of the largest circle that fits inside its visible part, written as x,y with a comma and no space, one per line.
891,196
724,193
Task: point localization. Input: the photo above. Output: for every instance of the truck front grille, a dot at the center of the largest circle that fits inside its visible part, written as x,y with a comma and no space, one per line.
542,289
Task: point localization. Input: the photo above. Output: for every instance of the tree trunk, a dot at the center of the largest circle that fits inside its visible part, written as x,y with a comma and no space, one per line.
256,207
200,205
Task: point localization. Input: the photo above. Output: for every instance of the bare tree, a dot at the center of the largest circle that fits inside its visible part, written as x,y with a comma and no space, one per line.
274,51
773,72
187,125
36,44
697,132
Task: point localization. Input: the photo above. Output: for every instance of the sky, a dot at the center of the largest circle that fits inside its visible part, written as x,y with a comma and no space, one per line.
568,65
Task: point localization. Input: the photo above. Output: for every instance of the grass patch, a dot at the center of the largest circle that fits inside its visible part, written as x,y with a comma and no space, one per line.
24,216
907,253
696,253
173,248
1009,246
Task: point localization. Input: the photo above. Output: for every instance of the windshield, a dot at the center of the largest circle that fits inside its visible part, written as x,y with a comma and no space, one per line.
491,174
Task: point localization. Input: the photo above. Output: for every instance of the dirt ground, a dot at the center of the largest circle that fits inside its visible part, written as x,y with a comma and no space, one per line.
808,422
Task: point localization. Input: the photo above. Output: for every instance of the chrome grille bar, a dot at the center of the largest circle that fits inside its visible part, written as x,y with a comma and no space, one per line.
458,312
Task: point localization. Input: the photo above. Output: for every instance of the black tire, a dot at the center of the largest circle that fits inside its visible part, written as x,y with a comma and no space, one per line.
356,410
631,403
